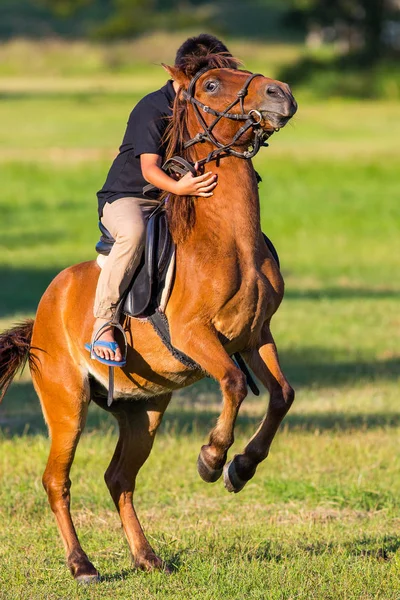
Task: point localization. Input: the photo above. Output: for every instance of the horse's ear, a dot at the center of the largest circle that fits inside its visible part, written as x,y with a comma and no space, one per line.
177,75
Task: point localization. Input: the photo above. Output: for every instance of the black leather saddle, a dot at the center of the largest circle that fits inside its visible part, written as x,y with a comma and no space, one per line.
143,295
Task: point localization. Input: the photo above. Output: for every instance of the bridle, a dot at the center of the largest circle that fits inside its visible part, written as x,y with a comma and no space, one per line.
252,120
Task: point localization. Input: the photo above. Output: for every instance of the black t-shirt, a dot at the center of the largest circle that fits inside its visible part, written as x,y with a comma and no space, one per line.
146,127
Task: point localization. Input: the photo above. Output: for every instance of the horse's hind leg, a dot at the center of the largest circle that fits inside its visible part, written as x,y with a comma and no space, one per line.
138,422
64,399
265,364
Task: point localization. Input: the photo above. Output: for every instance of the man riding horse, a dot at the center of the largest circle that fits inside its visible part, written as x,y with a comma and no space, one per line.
123,207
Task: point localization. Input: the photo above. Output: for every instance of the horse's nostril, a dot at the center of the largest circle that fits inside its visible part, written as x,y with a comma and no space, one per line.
273,90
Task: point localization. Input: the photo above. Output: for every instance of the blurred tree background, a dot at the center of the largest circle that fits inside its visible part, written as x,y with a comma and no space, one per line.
351,46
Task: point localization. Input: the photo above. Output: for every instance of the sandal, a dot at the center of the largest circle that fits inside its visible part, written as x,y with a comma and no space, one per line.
113,346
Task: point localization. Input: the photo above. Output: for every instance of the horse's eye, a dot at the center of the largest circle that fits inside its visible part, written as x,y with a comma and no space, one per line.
211,86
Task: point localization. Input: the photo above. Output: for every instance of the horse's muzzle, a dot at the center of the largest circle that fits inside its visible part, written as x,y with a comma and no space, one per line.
279,105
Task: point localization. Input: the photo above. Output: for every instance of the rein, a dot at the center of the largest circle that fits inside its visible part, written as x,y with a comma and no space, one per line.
252,119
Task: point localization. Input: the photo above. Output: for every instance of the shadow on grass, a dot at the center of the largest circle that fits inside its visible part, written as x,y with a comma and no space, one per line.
22,289
82,97
318,367
116,577
342,293
20,414
379,548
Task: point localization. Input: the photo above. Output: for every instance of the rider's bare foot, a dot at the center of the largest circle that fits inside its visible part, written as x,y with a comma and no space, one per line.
107,335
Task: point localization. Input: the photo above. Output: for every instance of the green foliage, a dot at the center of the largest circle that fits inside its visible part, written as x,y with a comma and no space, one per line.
114,19
326,76
48,18
135,17
357,23
65,8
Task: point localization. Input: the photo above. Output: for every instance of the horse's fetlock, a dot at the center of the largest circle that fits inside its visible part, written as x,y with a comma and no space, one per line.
246,465
221,445
256,456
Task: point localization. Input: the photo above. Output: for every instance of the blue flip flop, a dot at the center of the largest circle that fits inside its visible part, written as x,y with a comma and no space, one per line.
113,346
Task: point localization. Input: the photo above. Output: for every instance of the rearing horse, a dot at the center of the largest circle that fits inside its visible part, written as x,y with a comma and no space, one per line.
227,288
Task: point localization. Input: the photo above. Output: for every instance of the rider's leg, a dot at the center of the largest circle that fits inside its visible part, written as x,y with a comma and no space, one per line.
125,220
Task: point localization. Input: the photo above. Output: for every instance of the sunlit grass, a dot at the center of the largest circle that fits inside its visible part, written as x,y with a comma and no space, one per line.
320,520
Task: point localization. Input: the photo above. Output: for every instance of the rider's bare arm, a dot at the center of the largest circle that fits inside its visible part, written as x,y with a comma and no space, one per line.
188,185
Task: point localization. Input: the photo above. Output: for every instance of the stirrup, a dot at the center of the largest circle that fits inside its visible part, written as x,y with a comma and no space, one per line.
111,364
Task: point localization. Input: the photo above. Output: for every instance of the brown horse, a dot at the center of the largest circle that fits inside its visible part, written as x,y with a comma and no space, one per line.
227,288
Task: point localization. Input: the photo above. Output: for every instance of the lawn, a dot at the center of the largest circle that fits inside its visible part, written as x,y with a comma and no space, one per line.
321,518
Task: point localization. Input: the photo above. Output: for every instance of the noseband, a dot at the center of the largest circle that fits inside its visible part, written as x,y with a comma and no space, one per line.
252,120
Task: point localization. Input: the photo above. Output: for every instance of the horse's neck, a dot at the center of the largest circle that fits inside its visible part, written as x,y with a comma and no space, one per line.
232,214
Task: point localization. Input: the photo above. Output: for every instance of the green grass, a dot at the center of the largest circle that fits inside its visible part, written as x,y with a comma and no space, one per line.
320,520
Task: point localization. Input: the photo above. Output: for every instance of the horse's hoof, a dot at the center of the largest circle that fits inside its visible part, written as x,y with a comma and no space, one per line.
232,481
206,472
151,562
81,568
86,579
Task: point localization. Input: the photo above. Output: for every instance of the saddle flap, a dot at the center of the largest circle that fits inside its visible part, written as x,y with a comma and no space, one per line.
145,290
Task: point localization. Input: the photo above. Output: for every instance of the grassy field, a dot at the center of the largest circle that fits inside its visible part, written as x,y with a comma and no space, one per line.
321,519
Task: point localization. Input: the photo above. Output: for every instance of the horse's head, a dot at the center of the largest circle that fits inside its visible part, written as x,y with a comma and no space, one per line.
228,102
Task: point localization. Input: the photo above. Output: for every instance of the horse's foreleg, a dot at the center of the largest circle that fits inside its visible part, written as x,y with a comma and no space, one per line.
65,408
204,347
138,422
265,364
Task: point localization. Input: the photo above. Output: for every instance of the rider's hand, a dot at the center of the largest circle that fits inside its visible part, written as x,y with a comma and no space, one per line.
190,185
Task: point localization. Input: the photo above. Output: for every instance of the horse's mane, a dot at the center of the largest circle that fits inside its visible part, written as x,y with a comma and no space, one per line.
181,210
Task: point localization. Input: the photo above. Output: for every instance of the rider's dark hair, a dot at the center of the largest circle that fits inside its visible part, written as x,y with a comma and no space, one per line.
201,51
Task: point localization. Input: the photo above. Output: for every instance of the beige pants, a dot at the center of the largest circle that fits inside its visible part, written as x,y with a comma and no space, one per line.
126,220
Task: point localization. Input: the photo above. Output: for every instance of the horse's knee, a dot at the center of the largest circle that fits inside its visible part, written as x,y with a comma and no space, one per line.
234,385
288,395
57,491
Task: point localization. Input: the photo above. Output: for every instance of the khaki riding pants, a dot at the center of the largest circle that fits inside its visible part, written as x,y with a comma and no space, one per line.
126,220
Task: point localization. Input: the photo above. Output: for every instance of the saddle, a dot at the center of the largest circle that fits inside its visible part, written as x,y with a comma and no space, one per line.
153,278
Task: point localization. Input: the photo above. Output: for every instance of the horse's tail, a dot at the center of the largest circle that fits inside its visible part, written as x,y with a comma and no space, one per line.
15,350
